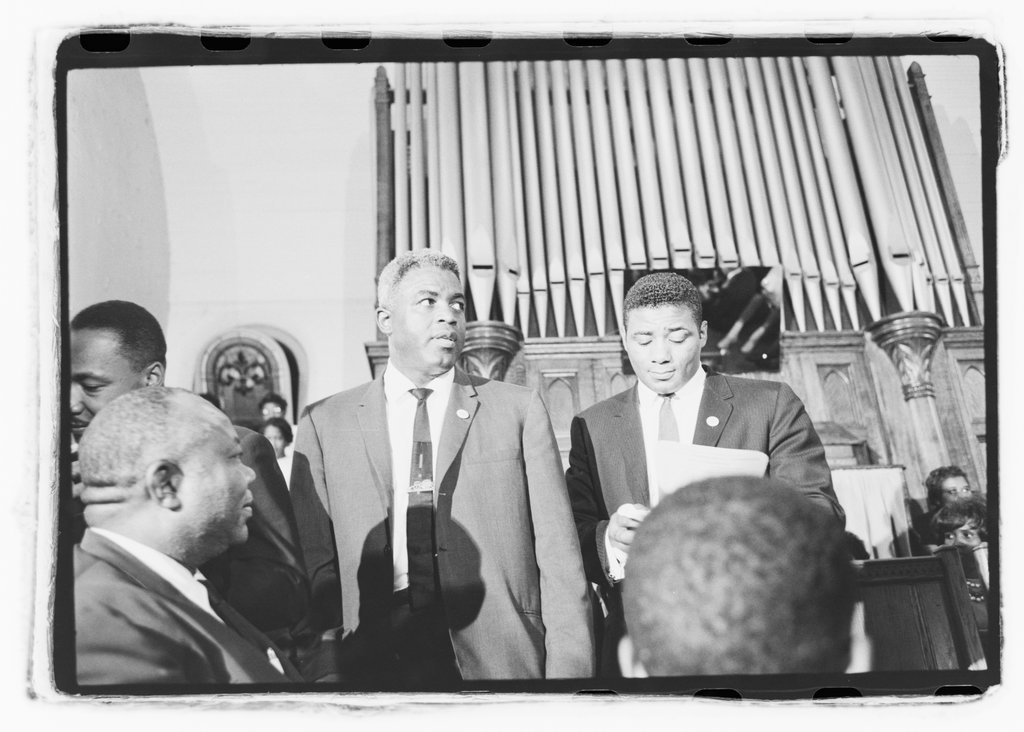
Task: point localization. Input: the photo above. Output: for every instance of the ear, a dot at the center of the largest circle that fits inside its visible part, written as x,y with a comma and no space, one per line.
154,374
384,321
860,644
703,333
628,663
163,482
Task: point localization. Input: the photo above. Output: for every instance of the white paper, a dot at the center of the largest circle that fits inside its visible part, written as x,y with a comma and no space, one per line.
677,465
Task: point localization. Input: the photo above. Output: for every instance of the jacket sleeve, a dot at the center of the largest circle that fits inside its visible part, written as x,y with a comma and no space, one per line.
588,509
113,647
265,578
796,455
316,534
565,605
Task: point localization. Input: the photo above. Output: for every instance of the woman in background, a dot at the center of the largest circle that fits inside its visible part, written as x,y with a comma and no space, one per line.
279,433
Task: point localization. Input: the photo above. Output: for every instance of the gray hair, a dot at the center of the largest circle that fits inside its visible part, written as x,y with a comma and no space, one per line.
400,266
126,435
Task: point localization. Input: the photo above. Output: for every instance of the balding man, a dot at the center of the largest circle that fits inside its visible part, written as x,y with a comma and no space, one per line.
143,614
740,576
118,346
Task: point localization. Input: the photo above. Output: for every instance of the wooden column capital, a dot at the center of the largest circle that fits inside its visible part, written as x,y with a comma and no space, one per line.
490,347
909,339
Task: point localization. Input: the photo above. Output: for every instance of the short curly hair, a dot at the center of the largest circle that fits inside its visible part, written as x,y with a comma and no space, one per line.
139,334
126,434
739,575
273,398
935,480
663,288
396,270
971,510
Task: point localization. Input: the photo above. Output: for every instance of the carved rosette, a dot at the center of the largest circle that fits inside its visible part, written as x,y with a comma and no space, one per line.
909,339
490,347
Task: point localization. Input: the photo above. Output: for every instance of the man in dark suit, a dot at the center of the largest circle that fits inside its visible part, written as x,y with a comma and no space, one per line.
118,346
611,479
143,614
432,509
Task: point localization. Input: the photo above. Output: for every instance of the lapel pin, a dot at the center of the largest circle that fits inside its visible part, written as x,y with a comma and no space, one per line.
712,421
462,414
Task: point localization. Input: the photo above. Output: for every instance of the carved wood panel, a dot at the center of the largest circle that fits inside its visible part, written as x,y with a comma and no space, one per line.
961,392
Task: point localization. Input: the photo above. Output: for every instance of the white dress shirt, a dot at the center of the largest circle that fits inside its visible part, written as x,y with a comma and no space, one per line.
685,405
180,577
188,583
401,414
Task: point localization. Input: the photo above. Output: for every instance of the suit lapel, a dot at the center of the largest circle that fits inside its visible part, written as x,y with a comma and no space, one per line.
373,422
248,661
715,410
630,436
102,548
462,407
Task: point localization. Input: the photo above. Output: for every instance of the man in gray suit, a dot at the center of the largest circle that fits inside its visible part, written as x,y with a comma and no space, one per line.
433,512
611,479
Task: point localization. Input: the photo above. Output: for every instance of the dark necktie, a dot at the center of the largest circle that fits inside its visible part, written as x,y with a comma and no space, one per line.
419,517
667,427
234,620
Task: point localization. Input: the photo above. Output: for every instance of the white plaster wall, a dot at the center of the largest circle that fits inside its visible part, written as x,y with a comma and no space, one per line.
269,189
118,244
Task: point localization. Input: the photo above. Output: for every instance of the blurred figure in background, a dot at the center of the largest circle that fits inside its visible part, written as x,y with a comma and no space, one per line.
273,405
946,485
279,434
963,525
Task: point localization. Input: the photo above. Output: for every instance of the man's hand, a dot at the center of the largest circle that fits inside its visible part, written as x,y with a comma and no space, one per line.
623,523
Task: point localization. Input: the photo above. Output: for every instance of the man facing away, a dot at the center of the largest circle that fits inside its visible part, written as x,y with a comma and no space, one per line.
611,480
740,575
118,346
143,613
433,511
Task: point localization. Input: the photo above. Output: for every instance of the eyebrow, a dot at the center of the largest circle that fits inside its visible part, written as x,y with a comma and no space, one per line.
88,375
434,293
675,329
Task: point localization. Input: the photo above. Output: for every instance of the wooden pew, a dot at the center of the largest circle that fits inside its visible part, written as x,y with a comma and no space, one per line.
918,614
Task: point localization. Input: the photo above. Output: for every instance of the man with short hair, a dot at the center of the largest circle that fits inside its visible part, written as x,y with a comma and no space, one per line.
433,512
143,614
740,575
118,346
611,477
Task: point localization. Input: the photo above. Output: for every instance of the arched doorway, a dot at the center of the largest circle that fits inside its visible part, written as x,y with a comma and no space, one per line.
243,365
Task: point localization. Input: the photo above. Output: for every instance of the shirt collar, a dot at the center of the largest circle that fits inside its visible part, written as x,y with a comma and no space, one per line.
691,389
396,383
170,569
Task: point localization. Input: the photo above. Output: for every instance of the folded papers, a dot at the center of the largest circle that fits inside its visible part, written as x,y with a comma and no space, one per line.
677,465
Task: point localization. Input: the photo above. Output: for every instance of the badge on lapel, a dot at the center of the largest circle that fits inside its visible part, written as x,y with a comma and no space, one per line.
712,421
